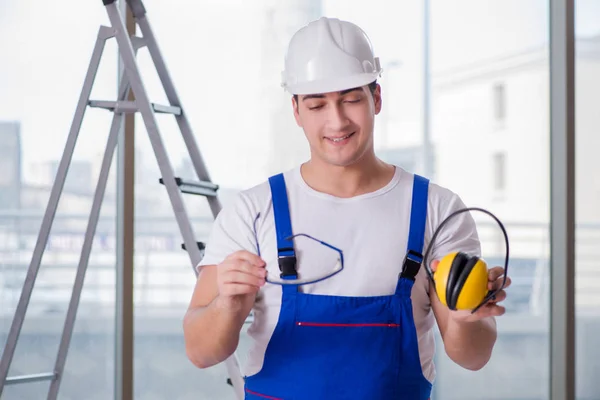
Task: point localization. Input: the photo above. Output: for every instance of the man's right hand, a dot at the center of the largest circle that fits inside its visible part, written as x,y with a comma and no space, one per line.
239,277
222,300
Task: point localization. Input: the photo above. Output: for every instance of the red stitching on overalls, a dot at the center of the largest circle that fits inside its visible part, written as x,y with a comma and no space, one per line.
346,325
262,395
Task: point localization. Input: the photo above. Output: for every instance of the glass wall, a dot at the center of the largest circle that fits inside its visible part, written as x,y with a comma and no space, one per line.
213,78
483,126
587,197
45,49
490,129
488,107
226,59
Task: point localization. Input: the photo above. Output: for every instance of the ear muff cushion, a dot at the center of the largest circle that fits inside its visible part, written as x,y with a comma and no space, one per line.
462,278
456,268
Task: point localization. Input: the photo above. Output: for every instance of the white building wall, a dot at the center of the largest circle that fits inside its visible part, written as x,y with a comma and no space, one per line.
587,142
467,135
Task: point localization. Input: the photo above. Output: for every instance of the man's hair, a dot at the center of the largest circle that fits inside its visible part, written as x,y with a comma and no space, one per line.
372,87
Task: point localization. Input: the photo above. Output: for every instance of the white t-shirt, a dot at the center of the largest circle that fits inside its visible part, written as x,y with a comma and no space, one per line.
372,231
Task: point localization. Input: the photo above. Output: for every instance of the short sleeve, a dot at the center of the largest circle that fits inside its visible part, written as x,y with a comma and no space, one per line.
458,234
231,231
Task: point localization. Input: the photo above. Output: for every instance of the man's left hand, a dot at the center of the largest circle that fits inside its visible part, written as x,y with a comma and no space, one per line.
491,308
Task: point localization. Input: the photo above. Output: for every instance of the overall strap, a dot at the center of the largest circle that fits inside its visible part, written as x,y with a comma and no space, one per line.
416,234
286,255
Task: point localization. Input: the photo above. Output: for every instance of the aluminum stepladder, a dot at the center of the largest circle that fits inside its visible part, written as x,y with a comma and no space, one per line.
130,81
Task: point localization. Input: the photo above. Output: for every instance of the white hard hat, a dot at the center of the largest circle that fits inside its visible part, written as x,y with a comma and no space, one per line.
329,55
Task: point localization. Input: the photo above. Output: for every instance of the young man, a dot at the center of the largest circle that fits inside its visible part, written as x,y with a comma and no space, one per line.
333,316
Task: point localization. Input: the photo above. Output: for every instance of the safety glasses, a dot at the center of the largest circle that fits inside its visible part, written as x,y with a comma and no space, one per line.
339,265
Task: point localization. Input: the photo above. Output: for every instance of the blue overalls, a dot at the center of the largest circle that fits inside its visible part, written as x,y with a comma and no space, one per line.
338,347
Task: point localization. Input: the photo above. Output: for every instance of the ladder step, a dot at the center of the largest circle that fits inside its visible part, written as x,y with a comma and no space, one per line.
30,378
201,246
131,107
200,188
138,42
159,108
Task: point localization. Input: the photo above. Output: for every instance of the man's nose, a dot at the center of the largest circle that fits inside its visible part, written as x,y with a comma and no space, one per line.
337,118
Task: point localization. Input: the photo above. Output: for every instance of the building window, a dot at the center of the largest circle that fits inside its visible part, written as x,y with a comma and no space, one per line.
499,171
499,102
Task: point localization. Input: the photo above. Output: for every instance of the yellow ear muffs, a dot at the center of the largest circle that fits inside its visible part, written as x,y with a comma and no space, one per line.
461,281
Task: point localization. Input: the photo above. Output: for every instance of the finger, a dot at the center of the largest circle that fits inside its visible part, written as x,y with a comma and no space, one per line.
490,310
495,273
434,264
496,311
246,267
242,278
247,256
498,297
237,289
498,284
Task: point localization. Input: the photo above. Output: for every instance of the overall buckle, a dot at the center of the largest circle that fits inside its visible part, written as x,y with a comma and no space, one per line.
411,265
287,266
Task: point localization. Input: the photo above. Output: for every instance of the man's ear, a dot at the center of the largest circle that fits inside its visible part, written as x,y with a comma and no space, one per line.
377,100
296,106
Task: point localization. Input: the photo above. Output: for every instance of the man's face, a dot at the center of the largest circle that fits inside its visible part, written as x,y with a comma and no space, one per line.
339,125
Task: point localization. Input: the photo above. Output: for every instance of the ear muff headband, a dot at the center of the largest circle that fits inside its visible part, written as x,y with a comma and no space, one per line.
449,287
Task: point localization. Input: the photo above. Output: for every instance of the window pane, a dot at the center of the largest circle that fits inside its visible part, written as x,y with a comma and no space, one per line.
499,48
227,75
499,160
46,49
228,81
587,275
499,102
214,65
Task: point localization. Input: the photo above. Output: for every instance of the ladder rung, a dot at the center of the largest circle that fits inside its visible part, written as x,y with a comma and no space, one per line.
159,108
201,246
131,107
138,42
196,187
11,380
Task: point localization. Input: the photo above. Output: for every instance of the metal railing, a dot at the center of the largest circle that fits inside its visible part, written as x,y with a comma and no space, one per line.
163,282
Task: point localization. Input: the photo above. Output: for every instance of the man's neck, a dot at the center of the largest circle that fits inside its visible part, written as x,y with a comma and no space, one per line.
365,176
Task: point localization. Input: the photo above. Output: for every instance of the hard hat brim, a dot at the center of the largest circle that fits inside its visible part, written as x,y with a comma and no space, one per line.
333,85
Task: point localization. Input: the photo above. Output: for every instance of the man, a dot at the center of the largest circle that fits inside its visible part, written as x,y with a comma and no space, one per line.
333,318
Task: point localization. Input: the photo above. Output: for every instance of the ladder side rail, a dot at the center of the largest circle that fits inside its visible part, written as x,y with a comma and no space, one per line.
71,316
182,120
104,33
141,98
231,363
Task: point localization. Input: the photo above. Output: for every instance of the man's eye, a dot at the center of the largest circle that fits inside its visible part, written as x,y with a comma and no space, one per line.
317,107
353,100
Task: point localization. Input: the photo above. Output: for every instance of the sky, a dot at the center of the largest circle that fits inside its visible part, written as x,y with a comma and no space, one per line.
213,50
